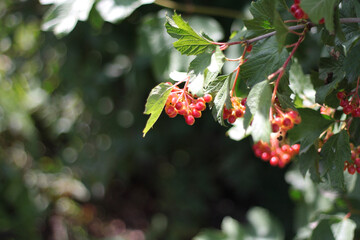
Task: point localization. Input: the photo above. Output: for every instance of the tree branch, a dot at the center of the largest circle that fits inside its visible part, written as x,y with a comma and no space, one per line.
189,8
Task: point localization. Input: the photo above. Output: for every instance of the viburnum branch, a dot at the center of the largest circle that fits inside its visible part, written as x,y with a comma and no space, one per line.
357,86
291,28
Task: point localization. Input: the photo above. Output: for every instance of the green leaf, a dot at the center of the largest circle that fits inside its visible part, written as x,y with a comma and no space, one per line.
232,229
308,160
210,235
259,102
308,131
334,227
204,69
352,64
301,84
221,89
265,56
115,10
281,30
189,42
331,71
320,9
155,104
62,17
263,17
334,153
263,225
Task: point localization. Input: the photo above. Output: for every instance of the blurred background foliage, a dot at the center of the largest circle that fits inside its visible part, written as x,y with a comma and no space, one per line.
73,162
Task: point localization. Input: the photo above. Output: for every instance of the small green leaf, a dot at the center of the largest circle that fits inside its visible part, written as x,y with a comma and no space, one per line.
308,131
155,104
232,228
301,84
320,9
334,153
308,160
265,56
189,42
259,102
221,88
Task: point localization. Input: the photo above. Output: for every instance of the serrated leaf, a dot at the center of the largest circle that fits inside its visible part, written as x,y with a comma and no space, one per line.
189,42
308,131
204,69
259,102
308,160
352,64
263,17
320,9
334,227
344,230
265,56
155,104
334,153
114,10
62,17
221,88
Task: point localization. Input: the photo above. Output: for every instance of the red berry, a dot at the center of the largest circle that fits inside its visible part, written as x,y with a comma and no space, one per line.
286,158
351,169
183,112
200,106
189,119
170,110
239,113
296,148
274,161
208,98
243,101
293,8
322,21
232,119
265,156
287,123
341,95
348,109
226,113
275,127
344,102
299,13
249,48
179,105
356,112
297,2
357,162
196,113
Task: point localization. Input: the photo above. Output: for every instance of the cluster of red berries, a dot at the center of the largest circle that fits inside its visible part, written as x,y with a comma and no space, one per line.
350,103
237,110
285,121
353,165
276,155
298,13
181,102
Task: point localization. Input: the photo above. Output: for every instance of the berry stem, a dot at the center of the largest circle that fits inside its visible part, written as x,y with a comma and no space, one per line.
357,86
282,71
238,70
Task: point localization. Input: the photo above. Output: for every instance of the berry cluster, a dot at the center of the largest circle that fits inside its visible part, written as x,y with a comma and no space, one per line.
284,121
237,110
180,101
353,165
275,154
297,11
350,103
